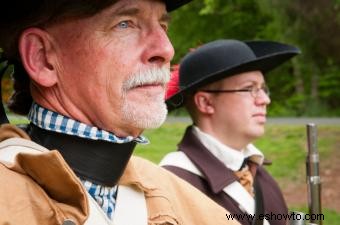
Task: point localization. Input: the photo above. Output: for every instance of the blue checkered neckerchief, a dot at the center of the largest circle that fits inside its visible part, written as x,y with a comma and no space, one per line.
49,120
104,196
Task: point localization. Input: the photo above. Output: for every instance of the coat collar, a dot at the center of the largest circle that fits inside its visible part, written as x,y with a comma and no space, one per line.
101,162
215,172
50,171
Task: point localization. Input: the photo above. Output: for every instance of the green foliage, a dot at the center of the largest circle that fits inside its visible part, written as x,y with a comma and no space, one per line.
292,107
203,21
303,87
14,119
329,86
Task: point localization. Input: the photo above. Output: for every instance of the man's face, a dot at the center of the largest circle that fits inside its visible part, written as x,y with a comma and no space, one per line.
240,116
113,67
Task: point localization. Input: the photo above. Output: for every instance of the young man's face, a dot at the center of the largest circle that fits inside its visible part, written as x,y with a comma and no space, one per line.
113,66
240,116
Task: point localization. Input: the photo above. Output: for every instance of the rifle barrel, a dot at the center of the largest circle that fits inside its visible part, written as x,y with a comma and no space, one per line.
313,176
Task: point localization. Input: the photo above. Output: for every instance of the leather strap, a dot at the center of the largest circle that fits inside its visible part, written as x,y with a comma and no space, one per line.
131,207
259,206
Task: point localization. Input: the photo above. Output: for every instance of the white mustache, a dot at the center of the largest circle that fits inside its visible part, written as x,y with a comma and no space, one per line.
151,76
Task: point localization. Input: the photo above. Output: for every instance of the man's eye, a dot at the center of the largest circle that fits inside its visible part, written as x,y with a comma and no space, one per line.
250,88
123,24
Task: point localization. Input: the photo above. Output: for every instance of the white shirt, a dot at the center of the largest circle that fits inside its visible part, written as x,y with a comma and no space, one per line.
230,157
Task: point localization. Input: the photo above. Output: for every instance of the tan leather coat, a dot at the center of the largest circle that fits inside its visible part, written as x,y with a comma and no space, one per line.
42,189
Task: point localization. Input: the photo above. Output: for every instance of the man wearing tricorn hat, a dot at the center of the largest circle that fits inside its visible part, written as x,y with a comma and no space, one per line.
222,86
96,72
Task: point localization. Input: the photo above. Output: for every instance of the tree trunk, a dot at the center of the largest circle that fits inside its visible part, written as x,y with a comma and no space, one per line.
314,92
299,85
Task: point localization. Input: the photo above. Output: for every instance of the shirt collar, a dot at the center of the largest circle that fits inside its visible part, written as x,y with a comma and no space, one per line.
231,158
53,121
215,172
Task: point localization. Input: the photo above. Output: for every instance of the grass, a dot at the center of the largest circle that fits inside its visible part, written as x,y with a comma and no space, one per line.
286,145
163,140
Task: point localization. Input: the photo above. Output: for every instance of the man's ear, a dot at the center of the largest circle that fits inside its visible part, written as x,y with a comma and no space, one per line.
204,103
37,54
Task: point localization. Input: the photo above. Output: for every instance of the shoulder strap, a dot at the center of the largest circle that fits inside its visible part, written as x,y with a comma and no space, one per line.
181,160
258,203
9,148
96,214
130,207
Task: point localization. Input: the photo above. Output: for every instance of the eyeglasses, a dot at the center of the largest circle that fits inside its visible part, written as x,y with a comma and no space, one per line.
254,91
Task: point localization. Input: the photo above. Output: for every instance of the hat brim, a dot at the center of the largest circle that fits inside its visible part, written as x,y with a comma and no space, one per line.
264,63
171,5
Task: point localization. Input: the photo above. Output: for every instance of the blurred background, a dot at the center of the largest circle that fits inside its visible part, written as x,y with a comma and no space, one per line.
306,86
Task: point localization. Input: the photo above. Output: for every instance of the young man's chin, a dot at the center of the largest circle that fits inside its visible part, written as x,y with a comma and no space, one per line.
259,132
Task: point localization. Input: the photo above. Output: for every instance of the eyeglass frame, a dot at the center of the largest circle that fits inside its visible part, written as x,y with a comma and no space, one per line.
254,91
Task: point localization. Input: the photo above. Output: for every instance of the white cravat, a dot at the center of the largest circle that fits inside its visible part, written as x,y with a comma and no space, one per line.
230,157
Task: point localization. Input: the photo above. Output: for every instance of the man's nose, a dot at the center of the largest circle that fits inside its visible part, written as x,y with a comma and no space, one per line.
159,50
262,98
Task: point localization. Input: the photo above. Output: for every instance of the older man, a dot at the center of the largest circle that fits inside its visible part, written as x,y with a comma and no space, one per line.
96,72
222,85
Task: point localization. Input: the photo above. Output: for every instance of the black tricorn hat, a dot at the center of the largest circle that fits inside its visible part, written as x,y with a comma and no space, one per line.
222,58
